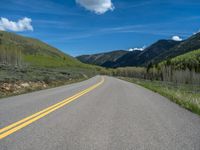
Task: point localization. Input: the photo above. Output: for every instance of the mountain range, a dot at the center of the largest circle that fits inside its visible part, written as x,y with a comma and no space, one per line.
25,51
155,53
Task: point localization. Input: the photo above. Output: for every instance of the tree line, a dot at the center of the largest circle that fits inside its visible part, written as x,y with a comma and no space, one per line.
166,73
10,55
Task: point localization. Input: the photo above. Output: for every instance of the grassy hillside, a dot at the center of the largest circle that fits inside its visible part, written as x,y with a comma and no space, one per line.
19,50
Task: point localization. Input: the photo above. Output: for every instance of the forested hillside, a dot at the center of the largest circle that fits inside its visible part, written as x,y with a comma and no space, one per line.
183,69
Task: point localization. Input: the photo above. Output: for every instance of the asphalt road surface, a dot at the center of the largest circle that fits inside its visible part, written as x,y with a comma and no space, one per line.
111,115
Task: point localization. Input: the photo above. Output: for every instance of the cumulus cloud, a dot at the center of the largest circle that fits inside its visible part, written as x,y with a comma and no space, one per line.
21,25
97,6
137,49
177,38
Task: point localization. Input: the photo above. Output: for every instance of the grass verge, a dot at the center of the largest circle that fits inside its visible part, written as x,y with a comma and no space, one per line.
187,96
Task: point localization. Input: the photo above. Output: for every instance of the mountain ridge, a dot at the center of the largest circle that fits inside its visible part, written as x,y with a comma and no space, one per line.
101,58
155,53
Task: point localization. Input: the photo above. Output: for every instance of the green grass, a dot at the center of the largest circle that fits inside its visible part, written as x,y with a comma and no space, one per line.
16,49
187,96
46,61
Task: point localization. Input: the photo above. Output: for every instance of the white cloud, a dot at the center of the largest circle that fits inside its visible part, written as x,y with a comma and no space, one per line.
97,6
137,49
21,25
177,38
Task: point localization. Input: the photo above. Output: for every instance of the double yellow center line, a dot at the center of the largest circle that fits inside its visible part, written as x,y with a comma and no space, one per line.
4,132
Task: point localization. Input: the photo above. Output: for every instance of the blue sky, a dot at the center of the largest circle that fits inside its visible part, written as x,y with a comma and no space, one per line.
91,26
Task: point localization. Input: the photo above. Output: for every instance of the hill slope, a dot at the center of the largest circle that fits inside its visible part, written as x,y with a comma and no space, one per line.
129,59
102,58
19,50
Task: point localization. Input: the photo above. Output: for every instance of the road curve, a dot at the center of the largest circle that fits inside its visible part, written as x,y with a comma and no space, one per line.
115,115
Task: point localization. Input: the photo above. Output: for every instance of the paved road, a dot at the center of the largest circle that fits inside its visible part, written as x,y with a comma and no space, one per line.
116,115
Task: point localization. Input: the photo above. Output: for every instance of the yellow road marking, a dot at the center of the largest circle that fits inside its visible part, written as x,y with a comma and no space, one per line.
4,132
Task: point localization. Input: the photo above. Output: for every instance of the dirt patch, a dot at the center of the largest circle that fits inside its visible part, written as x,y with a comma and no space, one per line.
20,87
